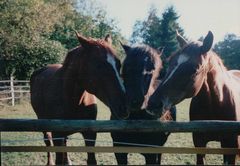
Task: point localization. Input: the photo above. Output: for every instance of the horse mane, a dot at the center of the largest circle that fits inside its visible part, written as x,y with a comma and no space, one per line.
139,50
191,45
215,60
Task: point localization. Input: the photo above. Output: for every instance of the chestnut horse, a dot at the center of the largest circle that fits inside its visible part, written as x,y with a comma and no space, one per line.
198,72
141,75
59,91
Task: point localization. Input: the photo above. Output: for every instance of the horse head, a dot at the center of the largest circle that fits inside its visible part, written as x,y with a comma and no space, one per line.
140,73
185,75
95,66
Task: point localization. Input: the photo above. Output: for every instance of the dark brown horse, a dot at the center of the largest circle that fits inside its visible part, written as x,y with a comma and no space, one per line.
196,71
141,75
59,91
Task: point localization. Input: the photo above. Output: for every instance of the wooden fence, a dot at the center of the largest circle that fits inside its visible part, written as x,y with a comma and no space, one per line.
30,125
13,89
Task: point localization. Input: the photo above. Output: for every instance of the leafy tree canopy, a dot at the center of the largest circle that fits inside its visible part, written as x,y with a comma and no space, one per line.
159,31
229,51
34,33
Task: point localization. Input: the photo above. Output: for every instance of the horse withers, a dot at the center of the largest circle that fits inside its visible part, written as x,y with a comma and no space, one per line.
197,72
141,75
59,91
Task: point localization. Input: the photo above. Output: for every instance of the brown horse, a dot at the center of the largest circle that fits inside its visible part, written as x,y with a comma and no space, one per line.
196,71
59,91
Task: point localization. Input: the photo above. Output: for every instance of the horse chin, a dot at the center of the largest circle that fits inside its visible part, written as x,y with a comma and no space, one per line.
119,111
158,111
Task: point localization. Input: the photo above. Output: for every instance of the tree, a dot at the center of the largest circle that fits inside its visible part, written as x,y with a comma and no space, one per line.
90,19
229,51
24,28
148,31
39,32
168,28
159,31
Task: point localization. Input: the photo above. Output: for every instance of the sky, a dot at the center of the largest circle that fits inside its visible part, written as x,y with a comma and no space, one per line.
197,17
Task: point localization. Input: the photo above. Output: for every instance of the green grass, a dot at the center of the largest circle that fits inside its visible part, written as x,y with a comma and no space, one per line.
24,110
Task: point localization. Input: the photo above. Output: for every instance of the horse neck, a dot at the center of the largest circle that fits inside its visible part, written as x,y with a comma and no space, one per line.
219,93
216,78
73,87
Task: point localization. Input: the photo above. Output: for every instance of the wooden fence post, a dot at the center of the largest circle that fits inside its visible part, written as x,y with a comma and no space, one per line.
12,91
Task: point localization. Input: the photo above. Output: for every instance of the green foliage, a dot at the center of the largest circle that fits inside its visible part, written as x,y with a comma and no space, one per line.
24,36
34,33
229,51
28,58
168,29
159,32
89,19
147,31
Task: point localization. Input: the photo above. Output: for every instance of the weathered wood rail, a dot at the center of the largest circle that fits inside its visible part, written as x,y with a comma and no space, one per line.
33,125
117,125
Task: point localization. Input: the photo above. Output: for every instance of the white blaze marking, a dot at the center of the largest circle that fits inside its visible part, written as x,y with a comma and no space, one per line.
181,59
111,60
150,91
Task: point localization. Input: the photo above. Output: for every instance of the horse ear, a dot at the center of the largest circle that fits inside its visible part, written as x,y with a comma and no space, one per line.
83,41
207,43
182,42
125,47
108,39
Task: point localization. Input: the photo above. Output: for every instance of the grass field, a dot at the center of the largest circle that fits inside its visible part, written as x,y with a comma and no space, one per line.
24,110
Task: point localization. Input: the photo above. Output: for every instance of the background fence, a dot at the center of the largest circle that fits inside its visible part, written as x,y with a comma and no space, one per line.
13,89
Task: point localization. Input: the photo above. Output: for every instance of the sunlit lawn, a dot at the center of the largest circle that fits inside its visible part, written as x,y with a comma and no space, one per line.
24,110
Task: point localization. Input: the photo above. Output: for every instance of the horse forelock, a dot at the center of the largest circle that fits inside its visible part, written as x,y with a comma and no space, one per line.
189,47
79,50
102,43
147,51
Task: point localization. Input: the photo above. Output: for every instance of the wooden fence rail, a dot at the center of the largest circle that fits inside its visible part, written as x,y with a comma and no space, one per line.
33,125
104,149
117,125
